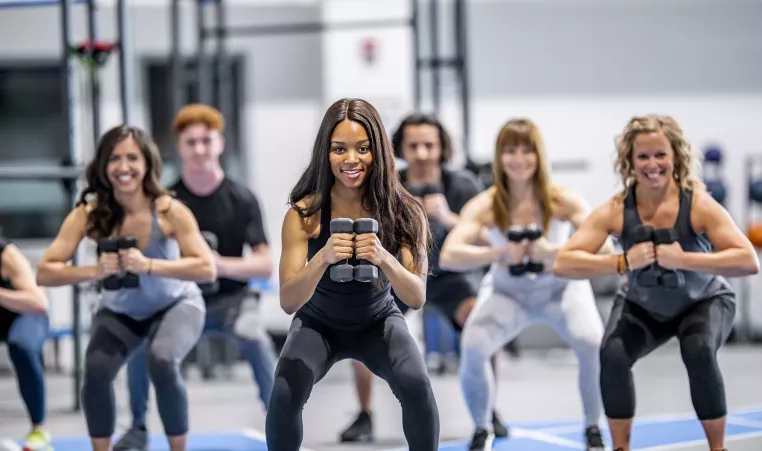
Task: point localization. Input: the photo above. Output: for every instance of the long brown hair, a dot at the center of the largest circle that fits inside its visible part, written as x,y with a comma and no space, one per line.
400,217
517,132
108,213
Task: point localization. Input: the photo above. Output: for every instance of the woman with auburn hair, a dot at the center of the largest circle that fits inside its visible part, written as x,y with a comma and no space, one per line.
525,219
679,245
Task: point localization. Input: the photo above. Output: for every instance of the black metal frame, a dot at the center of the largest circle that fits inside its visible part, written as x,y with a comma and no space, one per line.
220,31
71,171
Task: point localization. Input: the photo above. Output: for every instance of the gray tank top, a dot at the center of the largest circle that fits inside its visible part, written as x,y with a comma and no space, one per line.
664,303
154,293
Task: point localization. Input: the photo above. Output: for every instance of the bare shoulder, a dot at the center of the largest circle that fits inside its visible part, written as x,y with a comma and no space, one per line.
309,225
567,202
479,207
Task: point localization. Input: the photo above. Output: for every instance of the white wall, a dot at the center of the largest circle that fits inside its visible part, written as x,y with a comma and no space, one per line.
579,69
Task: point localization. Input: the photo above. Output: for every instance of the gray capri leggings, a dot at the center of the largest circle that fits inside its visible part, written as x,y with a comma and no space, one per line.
171,334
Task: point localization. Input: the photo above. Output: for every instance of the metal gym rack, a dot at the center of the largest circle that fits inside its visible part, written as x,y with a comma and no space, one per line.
72,169
220,31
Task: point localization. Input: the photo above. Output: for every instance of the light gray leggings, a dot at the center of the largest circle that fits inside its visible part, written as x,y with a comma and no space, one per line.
171,334
497,319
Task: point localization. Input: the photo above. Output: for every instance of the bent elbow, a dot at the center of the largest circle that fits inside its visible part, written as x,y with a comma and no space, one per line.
752,266
43,276
208,272
560,267
446,261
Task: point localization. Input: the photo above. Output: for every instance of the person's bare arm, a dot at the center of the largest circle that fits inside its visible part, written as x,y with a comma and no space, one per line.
53,269
580,258
579,210
408,282
297,279
26,297
735,256
257,265
460,251
196,263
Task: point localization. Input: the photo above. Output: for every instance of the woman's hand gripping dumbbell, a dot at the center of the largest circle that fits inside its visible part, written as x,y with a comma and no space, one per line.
113,251
523,236
354,237
652,252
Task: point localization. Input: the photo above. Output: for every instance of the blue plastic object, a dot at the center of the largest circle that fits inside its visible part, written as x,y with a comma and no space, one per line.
713,154
717,189
755,191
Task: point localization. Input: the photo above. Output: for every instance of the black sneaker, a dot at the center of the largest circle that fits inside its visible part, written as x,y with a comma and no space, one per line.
498,426
482,441
593,439
361,430
135,439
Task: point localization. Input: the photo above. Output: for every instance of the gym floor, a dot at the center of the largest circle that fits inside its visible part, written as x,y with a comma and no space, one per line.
537,396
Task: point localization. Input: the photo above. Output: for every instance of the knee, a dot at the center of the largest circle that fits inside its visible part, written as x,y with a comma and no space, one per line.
613,356
22,350
162,366
292,386
588,348
697,352
98,372
475,345
412,384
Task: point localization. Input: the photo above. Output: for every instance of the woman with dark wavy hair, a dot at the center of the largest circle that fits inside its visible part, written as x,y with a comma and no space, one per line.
352,175
148,292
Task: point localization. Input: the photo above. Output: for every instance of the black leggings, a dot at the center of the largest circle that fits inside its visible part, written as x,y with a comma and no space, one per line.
385,347
632,333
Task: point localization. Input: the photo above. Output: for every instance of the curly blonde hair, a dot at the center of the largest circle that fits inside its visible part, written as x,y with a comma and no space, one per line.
685,162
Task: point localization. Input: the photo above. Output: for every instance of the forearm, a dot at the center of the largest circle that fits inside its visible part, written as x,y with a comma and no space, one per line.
23,301
297,291
60,273
245,268
193,269
584,265
728,263
465,257
408,287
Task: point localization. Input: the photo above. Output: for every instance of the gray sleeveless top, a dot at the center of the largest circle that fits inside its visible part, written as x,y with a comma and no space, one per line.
664,303
154,294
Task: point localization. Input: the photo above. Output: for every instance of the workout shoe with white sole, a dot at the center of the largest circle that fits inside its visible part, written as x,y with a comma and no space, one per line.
135,439
497,425
361,430
37,440
593,439
481,441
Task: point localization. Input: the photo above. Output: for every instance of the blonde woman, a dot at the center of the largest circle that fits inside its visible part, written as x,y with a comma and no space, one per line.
508,302
696,245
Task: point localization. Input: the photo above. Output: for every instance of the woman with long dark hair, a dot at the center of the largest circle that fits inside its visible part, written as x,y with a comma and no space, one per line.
352,175
151,253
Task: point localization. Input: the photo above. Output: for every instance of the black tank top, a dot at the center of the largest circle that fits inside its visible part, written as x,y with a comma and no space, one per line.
665,303
6,315
348,305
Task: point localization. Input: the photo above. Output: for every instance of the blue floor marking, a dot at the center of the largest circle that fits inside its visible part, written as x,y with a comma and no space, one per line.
196,442
647,433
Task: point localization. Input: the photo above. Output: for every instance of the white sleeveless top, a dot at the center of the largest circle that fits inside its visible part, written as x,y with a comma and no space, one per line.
529,289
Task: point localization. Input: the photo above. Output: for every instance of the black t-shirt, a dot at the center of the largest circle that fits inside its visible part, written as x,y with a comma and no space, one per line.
460,186
232,216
